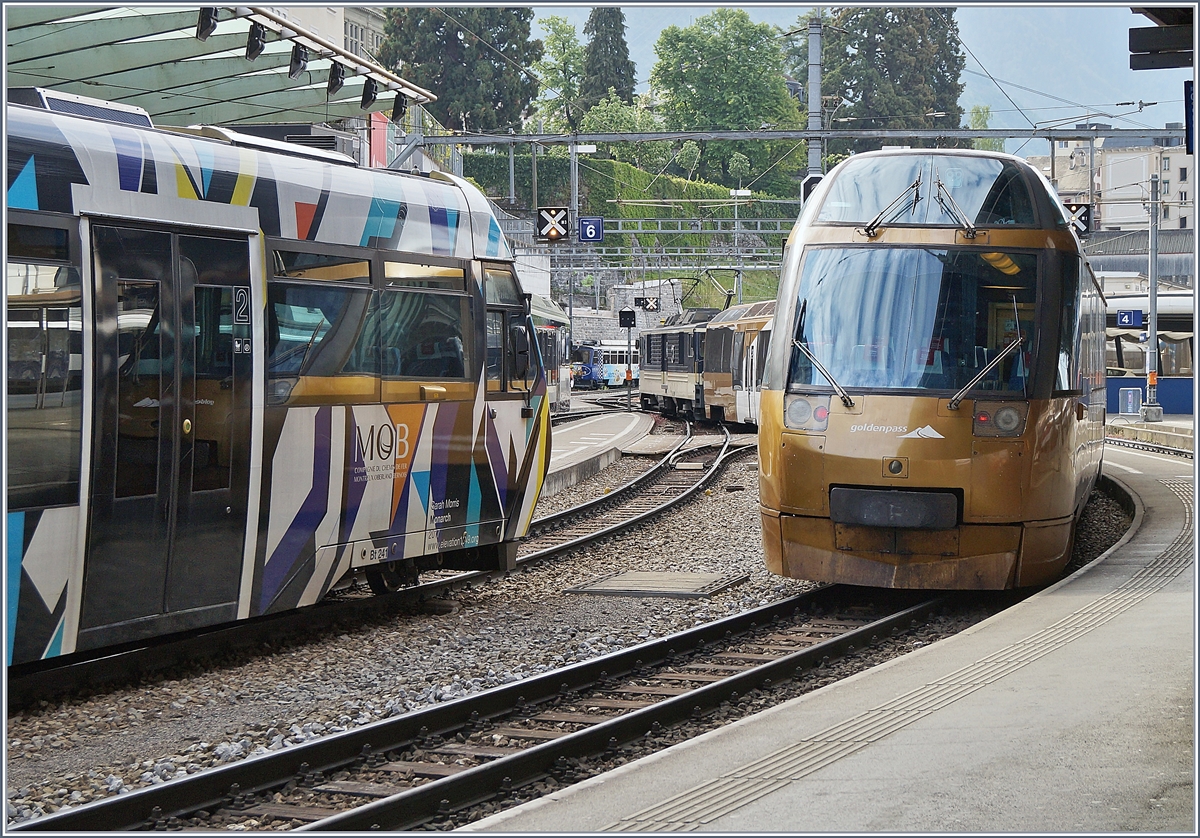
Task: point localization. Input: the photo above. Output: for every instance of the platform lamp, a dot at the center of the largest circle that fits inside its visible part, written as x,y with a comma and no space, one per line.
369,94
337,77
299,61
206,23
399,108
255,41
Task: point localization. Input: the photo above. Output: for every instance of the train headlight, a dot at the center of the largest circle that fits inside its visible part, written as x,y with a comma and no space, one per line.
1007,419
806,413
1000,418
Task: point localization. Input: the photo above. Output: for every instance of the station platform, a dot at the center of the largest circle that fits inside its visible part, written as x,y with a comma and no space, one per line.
581,448
1071,712
1174,431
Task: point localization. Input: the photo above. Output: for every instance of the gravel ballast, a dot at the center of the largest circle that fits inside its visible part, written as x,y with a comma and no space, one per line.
84,748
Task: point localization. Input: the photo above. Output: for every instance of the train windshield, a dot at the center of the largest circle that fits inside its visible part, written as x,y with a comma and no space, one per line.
905,190
886,318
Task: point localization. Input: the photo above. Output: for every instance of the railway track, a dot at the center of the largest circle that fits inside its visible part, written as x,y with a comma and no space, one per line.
405,772
1150,446
677,476
668,485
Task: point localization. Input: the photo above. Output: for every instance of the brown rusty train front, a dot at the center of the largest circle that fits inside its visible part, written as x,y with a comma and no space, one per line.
933,399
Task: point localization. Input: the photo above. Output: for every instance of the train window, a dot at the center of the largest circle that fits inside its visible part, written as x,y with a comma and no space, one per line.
29,242
322,266
764,339
1175,355
421,335
318,331
990,191
501,287
1069,328
412,275
738,345
45,370
494,362
915,318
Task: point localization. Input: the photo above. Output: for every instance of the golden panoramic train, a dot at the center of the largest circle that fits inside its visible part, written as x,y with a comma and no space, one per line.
933,397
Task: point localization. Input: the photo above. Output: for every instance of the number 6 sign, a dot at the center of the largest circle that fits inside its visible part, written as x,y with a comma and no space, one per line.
591,229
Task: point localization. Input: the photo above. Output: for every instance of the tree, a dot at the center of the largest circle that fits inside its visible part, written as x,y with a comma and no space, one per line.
606,64
561,71
739,167
981,115
471,58
895,67
612,114
688,157
726,72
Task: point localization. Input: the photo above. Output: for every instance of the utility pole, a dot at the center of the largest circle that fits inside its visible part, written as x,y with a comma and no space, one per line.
1152,410
512,172
737,230
814,94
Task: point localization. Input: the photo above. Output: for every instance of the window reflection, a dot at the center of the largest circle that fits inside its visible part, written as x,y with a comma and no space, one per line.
45,373
914,317
990,191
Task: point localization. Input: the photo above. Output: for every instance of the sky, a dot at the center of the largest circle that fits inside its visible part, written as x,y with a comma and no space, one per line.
1054,62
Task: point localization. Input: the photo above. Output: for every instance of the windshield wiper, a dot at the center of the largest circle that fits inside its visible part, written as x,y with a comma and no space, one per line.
957,398
808,353
872,229
954,210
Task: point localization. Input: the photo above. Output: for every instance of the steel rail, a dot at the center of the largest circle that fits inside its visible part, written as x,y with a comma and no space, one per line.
43,680
231,784
1150,446
633,486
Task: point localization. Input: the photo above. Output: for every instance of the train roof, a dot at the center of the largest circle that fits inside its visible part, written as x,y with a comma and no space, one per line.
70,164
746,311
547,309
934,187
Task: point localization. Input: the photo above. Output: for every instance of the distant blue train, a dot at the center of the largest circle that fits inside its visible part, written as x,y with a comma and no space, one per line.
602,364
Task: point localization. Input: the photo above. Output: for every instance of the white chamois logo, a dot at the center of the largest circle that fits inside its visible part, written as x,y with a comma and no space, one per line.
922,433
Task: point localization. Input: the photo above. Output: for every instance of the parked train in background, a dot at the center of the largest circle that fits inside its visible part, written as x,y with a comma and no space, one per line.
239,378
933,399
1126,350
708,364
603,364
551,324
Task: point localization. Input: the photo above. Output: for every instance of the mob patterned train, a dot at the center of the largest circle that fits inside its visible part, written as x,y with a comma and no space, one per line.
240,376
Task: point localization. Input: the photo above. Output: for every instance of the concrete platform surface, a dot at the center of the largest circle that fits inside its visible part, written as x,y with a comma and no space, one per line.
1175,430
581,448
1070,712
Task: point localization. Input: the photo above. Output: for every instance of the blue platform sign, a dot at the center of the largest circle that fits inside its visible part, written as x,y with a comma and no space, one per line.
1129,319
591,229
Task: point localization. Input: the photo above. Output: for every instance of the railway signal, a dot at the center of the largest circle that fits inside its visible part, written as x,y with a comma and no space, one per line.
1081,217
553,224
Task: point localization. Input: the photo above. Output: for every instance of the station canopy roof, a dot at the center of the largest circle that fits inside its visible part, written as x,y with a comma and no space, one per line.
154,58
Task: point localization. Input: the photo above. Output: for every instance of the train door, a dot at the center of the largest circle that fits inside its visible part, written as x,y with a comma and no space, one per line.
761,341
172,405
741,377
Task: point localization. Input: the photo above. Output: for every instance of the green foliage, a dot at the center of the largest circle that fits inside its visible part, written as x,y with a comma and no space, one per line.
892,65
726,72
739,167
561,71
981,115
607,65
471,57
612,114
688,157
607,188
